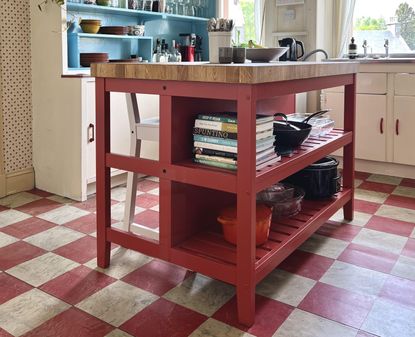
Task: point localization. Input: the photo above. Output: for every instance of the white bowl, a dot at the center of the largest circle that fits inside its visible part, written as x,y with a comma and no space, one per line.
265,54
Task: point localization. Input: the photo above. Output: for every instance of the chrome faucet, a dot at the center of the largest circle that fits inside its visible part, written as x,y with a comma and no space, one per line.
365,46
386,45
314,52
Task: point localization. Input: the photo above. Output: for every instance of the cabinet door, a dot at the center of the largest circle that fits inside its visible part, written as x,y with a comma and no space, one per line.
370,127
404,123
120,129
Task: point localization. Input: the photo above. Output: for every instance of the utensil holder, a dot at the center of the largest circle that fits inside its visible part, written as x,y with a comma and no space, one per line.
216,40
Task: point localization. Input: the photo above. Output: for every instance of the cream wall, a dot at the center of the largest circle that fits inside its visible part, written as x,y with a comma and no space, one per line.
16,98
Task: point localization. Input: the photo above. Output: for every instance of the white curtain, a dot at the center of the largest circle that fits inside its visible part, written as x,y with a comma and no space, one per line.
259,20
342,24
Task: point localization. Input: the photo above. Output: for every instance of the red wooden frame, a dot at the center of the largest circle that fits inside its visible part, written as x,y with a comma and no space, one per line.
191,195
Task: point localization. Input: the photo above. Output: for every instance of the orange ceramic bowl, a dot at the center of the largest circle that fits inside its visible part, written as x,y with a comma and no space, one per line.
227,218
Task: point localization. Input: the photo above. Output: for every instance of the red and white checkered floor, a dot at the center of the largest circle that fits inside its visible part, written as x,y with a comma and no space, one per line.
349,279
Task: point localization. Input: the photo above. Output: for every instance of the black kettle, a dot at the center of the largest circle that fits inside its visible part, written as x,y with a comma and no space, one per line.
295,49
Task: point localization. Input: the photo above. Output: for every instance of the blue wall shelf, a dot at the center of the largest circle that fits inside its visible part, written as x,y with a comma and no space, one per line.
157,25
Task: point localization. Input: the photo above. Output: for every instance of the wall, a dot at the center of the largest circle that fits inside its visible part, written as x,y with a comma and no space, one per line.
15,99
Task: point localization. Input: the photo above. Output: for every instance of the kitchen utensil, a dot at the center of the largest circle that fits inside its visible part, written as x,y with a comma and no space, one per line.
319,180
285,199
227,218
291,134
265,54
295,49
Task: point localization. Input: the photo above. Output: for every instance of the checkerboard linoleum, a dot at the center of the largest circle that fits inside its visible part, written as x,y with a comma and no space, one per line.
348,279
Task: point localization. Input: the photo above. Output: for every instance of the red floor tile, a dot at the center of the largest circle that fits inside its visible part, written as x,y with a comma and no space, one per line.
11,287
4,333
147,200
369,258
17,253
2,208
338,230
27,227
377,187
40,193
399,290
77,284
39,206
399,201
361,175
408,182
70,323
164,318
306,264
88,205
389,225
409,249
366,206
147,185
270,314
86,224
81,250
157,277
148,218
337,304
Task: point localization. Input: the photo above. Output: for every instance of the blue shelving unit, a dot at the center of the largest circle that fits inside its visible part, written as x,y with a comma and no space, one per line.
157,25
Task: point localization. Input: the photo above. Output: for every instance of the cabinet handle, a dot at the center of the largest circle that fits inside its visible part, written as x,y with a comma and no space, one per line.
91,133
381,126
397,127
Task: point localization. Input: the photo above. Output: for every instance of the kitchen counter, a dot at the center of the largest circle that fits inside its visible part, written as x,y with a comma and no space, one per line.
247,73
370,60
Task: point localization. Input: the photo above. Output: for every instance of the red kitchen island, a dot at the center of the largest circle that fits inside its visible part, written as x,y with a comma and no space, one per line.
191,195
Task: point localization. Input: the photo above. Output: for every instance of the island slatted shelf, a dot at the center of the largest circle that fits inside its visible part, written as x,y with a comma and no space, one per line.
191,195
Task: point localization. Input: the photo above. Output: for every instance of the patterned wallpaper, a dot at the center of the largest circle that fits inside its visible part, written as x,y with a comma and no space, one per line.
16,83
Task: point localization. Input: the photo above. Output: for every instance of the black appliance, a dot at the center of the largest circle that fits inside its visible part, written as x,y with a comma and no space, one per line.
295,49
319,180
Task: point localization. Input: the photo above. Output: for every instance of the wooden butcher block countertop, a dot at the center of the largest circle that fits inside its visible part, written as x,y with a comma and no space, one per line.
248,73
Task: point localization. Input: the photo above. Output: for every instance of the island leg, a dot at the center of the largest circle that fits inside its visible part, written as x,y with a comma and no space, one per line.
246,205
103,182
349,150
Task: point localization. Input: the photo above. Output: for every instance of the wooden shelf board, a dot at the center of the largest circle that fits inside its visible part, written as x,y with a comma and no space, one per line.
145,15
226,180
285,236
111,36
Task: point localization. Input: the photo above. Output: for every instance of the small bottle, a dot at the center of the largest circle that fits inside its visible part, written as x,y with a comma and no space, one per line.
352,49
178,54
157,51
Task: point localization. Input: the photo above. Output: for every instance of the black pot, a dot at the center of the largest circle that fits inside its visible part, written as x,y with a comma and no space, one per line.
319,180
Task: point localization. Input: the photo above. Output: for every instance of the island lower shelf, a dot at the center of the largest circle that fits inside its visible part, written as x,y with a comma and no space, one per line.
219,257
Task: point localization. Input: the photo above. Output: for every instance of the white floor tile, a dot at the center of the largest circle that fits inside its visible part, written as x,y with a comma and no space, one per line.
390,243
324,246
6,240
118,333
117,211
63,214
11,217
404,267
404,191
214,328
119,193
201,294
360,219
353,278
370,196
388,319
123,262
29,310
397,213
117,303
285,287
156,191
379,178
54,237
60,199
304,324
42,269
18,199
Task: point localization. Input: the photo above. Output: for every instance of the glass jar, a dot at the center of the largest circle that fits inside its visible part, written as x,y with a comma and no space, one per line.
114,3
132,4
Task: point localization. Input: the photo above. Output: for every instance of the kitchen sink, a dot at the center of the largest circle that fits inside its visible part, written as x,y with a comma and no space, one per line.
395,58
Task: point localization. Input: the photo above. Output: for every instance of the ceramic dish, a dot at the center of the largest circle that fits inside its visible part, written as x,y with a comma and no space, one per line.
265,54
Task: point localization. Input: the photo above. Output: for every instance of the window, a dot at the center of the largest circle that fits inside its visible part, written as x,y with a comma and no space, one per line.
377,20
243,12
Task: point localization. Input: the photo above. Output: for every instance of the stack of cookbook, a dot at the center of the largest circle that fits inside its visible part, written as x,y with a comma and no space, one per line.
216,140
